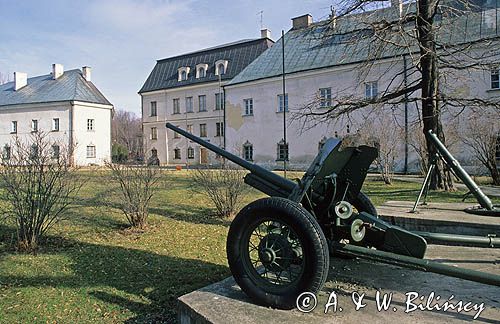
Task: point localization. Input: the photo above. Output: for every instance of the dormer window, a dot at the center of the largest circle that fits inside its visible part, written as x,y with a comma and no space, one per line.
201,70
221,67
183,73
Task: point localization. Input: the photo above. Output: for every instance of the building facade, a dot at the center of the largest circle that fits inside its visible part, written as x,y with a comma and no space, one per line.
319,70
187,91
64,105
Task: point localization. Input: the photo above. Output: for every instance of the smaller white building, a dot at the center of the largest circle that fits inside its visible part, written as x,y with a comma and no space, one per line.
66,105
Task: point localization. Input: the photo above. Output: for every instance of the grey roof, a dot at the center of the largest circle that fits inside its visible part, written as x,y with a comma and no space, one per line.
239,54
317,46
71,86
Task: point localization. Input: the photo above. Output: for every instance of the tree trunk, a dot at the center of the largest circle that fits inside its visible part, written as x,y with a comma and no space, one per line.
431,115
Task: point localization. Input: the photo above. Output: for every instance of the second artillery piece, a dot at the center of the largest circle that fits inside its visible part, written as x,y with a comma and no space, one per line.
280,246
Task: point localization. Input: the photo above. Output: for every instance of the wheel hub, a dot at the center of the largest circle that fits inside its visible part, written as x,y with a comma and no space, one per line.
275,252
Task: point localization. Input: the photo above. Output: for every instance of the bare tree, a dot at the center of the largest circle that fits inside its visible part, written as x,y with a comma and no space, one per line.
138,185
482,137
39,184
224,186
383,132
417,51
126,130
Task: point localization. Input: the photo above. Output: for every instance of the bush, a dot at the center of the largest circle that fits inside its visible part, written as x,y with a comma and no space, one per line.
119,153
39,185
224,186
138,185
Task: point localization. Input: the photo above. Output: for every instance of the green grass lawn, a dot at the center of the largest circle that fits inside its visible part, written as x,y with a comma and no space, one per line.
91,268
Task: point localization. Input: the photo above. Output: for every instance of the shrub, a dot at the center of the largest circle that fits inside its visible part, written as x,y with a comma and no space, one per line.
138,185
224,186
39,185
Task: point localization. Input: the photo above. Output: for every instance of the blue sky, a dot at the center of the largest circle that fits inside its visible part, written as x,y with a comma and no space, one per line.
122,39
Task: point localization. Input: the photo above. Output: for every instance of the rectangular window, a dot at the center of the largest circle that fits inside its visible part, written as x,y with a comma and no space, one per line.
34,125
154,133
6,152
248,106
202,103
13,127
90,125
177,107
282,151
56,151
248,152
282,104
219,101
177,135
495,80
55,124
219,129
189,104
371,90
189,129
90,152
177,153
203,130
325,97
190,153
153,110
34,151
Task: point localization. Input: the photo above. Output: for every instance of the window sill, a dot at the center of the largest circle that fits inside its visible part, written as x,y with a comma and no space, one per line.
202,110
176,113
493,90
153,115
154,139
55,131
33,132
13,133
190,112
247,115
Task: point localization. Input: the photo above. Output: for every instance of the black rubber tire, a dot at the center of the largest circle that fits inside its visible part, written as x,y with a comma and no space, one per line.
312,239
363,203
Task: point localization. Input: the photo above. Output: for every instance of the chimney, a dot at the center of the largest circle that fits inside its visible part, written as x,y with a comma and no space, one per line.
265,33
20,80
87,73
57,70
302,21
398,5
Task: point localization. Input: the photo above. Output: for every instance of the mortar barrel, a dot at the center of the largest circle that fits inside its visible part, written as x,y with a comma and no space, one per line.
483,200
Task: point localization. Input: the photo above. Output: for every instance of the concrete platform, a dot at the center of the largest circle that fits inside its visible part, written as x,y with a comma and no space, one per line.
224,302
439,217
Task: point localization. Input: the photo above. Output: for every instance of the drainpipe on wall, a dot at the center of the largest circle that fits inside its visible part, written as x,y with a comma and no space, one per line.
224,114
71,148
405,76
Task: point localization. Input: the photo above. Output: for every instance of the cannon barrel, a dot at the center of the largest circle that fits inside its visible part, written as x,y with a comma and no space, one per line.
285,184
483,200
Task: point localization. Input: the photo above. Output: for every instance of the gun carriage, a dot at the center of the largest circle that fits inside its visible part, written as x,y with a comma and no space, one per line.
280,246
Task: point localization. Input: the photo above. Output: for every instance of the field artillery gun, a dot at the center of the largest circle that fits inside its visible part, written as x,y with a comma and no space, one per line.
280,246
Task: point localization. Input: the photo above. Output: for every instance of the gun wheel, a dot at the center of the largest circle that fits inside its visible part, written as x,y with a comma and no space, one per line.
276,250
